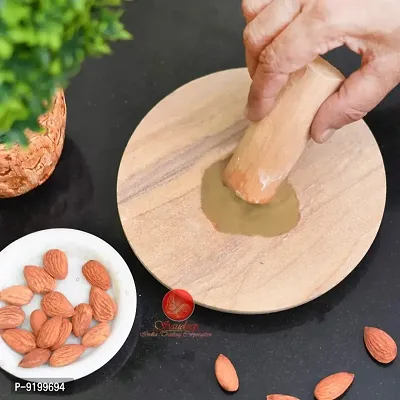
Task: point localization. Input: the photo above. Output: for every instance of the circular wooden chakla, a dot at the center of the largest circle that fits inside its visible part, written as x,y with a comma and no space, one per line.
341,187
22,170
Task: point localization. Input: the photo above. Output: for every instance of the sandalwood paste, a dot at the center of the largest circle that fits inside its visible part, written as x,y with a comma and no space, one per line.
230,214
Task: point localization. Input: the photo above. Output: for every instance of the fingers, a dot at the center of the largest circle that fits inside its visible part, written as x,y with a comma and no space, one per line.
251,8
264,27
298,45
358,95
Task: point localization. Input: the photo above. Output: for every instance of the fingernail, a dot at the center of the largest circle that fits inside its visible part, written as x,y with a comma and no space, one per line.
327,135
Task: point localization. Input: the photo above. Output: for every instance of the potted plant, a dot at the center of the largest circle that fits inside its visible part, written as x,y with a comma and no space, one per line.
42,46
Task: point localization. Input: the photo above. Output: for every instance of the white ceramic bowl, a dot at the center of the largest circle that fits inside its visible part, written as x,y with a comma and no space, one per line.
79,247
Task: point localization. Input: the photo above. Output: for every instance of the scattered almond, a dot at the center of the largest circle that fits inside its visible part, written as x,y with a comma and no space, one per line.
333,386
55,303
55,263
103,306
35,358
96,335
380,345
38,280
65,331
66,355
20,340
49,333
81,319
226,374
280,397
11,317
37,319
97,275
17,295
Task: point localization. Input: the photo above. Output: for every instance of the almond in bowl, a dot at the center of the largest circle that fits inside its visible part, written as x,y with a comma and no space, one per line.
59,316
51,325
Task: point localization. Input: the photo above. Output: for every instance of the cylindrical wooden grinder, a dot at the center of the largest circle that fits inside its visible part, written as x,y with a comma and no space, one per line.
270,148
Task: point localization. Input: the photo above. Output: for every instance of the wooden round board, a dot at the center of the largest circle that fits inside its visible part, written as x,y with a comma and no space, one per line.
341,187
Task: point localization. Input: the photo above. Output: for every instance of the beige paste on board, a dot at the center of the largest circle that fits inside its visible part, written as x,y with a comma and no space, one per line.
230,214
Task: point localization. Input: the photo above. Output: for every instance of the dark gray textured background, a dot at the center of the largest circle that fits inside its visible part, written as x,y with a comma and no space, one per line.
177,41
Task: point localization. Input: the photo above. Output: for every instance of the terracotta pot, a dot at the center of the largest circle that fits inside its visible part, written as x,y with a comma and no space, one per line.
22,170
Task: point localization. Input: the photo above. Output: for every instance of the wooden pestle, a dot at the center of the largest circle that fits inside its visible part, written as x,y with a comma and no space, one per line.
270,148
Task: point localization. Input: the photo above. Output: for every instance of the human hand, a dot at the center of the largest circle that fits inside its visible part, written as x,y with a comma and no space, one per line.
283,36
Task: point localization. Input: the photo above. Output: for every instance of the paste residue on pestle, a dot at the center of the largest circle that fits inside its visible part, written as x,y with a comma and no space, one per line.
230,214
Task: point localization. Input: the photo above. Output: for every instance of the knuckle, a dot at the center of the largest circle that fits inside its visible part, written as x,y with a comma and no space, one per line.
269,59
292,5
248,10
349,108
250,38
321,11
353,114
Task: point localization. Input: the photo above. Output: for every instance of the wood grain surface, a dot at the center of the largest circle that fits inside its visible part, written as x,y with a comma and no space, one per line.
341,187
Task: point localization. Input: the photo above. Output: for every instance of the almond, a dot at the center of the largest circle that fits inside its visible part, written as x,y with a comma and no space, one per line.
49,333
38,280
103,306
96,335
66,355
280,397
11,317
17,295
35,358
97,275
55,263
55,303
65,331
333,386
81,319
37,319
380,345
20,340
226,374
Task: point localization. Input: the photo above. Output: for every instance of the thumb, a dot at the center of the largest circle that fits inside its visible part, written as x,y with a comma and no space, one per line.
360,93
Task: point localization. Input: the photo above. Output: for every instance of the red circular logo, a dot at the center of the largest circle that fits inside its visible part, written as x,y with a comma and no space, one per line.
178,305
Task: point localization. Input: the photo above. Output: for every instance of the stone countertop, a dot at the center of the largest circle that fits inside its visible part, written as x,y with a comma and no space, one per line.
175,42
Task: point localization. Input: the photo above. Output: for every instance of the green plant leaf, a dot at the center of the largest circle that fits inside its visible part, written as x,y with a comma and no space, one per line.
6,49
43,44
14,13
